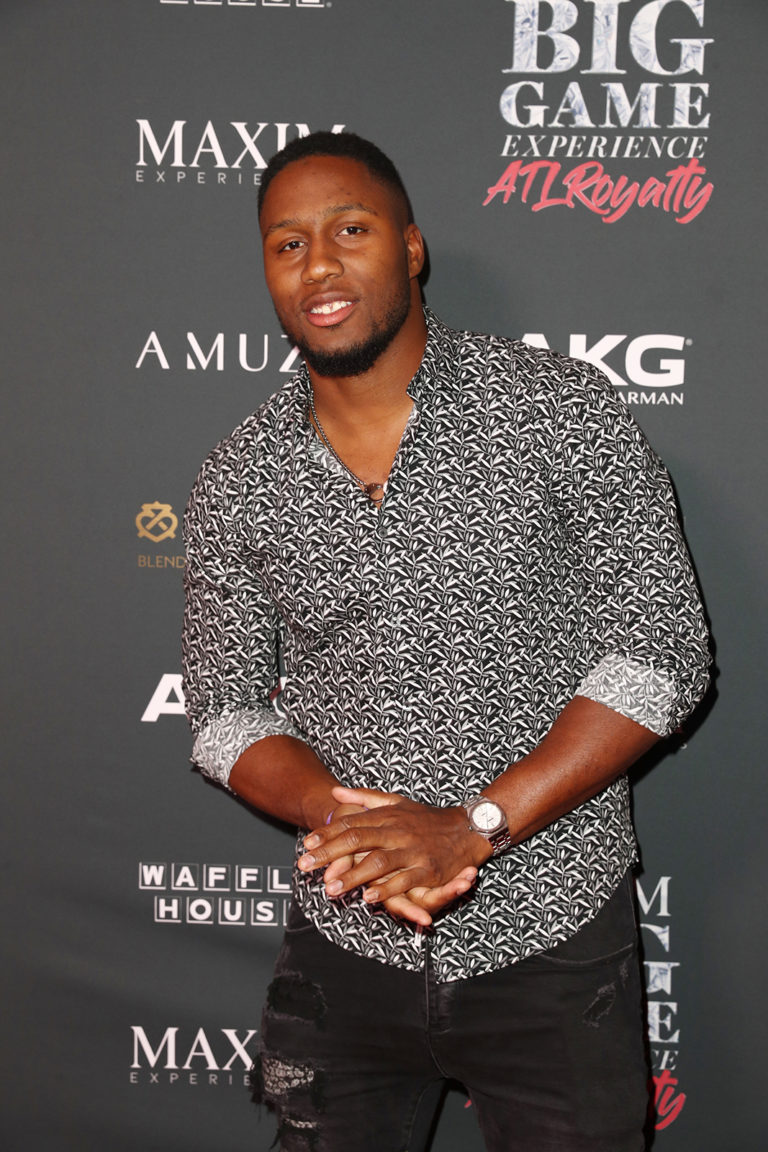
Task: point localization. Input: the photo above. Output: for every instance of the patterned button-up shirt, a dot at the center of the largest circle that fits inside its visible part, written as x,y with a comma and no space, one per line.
527,550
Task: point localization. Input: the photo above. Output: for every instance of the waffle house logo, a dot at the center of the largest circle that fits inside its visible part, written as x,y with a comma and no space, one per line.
239,895
606,108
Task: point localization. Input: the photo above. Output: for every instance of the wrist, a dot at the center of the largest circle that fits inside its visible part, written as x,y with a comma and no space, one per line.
487,819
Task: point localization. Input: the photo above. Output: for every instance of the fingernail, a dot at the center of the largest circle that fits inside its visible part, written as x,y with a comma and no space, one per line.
311,841
371,895
306,862
334,887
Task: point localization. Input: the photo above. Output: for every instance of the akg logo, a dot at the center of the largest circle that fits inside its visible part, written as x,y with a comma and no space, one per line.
646,362
157,522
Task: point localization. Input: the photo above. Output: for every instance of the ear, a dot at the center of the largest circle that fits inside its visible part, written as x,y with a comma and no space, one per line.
414,242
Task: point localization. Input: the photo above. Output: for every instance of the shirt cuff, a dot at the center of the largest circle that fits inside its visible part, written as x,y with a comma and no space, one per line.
644,694
221,742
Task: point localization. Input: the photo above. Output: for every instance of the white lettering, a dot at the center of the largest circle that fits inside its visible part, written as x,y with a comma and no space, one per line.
209,143
594,354
290,360
201,1047
154,346
642,39
660,1018
167,699
175,137
670,374
238,1047
528,33
217,350
168,1042
644,103
660,894
243,353
151,875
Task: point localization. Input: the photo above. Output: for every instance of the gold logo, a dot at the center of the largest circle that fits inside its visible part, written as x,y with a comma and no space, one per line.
157,522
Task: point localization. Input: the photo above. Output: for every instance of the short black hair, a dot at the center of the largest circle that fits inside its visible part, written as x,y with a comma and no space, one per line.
345,144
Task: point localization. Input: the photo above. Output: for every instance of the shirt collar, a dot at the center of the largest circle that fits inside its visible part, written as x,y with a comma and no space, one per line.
439,359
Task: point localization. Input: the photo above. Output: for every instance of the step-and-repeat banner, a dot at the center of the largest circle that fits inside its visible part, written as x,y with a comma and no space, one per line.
589,175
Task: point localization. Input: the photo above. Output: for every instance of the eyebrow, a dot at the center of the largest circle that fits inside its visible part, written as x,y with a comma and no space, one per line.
332,210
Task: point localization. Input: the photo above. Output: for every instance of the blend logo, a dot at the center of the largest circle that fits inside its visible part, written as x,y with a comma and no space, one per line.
662,1025
222,1057
645,370
157,522
230,153
242,896
657,115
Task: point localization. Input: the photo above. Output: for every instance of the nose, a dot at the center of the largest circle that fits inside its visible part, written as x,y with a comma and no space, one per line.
322,260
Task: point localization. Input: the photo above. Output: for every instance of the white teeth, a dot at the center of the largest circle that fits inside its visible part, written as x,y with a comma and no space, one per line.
334,306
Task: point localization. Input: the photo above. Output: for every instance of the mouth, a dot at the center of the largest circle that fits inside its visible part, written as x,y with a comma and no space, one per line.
328,313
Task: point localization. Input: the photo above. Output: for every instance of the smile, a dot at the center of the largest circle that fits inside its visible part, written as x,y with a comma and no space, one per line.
327,309
329,312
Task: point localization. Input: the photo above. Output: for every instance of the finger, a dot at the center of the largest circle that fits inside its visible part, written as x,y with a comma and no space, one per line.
353,816
339,867
322,849
406,909
428,897
373,867
368,797
433,899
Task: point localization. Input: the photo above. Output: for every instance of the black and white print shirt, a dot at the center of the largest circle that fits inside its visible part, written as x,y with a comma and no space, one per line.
527,550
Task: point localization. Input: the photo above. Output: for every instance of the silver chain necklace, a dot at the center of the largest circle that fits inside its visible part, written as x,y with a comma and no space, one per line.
375,491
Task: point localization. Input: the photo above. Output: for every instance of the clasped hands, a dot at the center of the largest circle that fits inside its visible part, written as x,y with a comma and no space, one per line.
412,858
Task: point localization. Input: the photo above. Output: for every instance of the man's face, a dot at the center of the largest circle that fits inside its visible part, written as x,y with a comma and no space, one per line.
340,261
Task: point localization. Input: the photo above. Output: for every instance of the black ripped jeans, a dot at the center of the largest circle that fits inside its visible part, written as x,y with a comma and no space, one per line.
550,1049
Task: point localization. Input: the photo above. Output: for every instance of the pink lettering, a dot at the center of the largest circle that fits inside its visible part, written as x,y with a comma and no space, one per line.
683,193
667,1102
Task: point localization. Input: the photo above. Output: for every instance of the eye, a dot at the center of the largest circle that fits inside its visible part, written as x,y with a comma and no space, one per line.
290,246
352,230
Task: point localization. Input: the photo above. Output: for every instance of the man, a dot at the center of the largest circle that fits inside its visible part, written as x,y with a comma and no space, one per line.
468,561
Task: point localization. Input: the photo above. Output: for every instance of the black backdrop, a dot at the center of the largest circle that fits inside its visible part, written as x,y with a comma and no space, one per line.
141,906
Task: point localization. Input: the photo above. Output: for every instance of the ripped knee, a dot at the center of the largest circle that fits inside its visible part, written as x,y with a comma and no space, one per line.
294,1088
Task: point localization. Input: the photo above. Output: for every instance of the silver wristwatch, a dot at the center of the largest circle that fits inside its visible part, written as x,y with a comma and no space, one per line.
487,818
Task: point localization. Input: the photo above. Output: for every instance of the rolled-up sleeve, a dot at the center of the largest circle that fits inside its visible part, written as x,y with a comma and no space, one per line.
640,602
230,633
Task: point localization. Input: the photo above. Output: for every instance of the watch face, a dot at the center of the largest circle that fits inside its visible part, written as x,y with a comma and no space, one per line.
487,816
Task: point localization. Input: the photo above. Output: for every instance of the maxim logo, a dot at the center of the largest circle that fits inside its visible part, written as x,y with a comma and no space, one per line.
647,363
209,1057
235,149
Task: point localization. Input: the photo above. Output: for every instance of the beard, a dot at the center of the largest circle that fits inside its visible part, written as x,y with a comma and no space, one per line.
360,357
